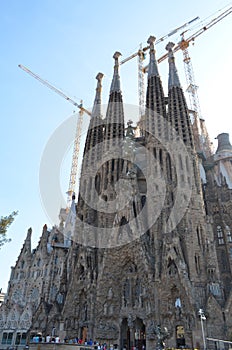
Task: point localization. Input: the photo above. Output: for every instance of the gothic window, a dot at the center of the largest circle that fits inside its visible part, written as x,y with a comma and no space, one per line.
105,182
180,162
198,236
126,292
154,152
220,235
224,262
211,273
228,234
20,339
214,288
197,263
122,163
172,269
143,200
97,183
7,338
134,209
161,157
169,167
187,163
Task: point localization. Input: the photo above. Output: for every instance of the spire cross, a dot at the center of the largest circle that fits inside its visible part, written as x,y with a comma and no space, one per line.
97,102
99,76
99,80
116,56
169,48
151,41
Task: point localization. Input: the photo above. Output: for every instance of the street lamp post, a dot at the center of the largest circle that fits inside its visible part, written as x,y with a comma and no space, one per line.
202,318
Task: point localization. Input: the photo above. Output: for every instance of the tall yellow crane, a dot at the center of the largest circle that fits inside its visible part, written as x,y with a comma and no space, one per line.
76,148
141,56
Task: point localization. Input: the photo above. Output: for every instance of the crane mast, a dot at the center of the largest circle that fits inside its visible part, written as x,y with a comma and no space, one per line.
75,157
141,57
76,148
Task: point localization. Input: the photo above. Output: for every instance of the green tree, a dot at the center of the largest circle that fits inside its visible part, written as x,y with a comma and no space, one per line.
5,222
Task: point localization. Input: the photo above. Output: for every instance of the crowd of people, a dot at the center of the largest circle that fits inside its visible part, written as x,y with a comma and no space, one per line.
55,339
78,341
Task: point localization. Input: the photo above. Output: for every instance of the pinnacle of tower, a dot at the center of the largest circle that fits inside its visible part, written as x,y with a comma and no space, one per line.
152,68
223,143
96,112
115,85
29,232
155,101
173,79
45,228
27,242
73,205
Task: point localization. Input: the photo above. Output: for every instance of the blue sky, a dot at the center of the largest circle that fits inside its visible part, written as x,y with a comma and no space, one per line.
67,42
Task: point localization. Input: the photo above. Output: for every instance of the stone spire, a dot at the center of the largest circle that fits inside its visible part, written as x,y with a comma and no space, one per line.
113,141
155,101
115,85
92,154
27,243
114,121
95,131
152,68
96,111
178,114
173,79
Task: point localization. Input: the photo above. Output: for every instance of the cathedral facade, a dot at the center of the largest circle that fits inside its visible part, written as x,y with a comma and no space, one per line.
144,256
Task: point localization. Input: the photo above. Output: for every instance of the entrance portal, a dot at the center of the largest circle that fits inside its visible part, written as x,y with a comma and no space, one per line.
133,336
180,337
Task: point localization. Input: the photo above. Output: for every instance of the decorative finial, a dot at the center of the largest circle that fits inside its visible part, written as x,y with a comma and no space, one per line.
170,46
116,56
173,79
151,40
99,76
152,69
96,112
115,86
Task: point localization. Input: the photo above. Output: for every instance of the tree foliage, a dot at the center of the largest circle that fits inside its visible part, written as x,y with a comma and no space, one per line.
5,222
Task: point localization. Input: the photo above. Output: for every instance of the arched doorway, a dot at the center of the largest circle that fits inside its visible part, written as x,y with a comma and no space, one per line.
180,337
133,335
